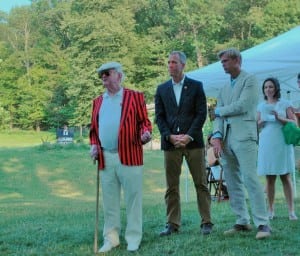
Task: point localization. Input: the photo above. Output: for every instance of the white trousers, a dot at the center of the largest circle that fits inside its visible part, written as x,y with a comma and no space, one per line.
115,177
239,164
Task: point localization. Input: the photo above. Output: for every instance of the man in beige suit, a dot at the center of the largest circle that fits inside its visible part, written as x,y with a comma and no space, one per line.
235,141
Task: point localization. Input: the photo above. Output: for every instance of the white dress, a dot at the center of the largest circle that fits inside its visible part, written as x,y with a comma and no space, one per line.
275,157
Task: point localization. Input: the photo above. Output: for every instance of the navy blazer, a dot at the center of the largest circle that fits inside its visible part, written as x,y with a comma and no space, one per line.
187,118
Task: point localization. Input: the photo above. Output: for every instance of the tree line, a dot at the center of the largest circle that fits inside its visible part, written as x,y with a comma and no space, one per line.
50,50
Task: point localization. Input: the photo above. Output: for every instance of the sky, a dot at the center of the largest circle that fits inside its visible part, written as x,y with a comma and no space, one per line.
6,5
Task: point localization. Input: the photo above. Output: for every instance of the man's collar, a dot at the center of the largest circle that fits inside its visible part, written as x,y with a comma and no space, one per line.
181,82
119,93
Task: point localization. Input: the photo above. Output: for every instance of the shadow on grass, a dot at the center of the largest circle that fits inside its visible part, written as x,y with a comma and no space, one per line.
47,207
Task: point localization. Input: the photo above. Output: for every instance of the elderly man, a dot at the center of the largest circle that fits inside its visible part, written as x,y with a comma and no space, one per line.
119,128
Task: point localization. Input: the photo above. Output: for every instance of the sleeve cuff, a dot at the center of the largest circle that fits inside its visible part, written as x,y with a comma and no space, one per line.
217,135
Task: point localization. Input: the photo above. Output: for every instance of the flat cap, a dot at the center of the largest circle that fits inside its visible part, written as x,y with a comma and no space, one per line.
109,65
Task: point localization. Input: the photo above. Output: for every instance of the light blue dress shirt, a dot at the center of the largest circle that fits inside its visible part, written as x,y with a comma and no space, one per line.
109,120
177,87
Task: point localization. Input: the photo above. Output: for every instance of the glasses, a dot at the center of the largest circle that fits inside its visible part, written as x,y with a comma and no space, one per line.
104,72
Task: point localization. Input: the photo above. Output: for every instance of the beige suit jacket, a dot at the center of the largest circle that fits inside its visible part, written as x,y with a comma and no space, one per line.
237,108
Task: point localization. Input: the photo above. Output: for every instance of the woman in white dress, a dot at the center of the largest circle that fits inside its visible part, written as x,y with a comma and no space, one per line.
275,157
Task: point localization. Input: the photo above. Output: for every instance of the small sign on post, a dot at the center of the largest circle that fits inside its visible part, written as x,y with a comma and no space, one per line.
64,135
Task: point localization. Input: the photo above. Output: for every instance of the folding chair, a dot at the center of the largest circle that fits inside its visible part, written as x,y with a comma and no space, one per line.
216,182
215,177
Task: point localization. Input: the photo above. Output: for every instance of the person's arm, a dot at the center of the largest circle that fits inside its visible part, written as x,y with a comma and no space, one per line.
200,112
290,116
94,140
145,124
218,123
160,116
260,122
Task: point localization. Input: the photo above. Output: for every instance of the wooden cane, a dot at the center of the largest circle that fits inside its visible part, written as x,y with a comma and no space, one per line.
97,213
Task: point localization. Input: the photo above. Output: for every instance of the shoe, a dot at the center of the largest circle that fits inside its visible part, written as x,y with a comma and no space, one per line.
271,215
238,228
132,247
292,216
206,228
170,229
107,246
264,231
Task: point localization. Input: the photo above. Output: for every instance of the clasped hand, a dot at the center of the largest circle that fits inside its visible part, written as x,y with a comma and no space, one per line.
180,140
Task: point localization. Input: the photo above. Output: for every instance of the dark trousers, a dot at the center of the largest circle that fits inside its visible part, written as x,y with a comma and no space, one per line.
195,159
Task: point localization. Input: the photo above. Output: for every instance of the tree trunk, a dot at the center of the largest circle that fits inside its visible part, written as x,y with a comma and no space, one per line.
80,131
37,127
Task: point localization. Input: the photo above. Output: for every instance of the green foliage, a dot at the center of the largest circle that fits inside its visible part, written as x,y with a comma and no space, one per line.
49,51
4,119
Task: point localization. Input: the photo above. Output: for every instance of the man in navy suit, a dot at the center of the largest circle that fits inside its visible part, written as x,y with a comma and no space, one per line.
180,113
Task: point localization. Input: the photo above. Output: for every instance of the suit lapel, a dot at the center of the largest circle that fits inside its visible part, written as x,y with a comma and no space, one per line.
184,91
234,92
125,103
238,87
171,94
97,108
95,115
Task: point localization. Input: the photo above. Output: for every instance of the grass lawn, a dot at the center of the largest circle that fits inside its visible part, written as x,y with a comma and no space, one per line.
25,138
47,207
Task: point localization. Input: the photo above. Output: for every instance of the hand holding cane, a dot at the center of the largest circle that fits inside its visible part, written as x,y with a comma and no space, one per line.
97,213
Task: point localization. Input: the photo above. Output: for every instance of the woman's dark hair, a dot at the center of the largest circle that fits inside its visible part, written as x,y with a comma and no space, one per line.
276,83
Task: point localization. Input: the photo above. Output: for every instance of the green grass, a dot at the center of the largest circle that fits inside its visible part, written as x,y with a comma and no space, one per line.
31,138
24,138
47,207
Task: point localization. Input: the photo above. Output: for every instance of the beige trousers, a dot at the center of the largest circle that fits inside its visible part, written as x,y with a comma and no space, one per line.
239,165
115,177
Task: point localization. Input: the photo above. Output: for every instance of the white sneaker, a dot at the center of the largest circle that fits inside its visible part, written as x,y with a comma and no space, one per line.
271,215
106,247
292,216
132,247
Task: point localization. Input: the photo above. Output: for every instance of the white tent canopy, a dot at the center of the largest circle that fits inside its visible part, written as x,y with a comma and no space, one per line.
278,57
